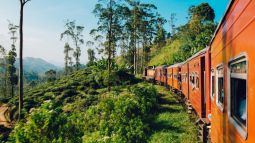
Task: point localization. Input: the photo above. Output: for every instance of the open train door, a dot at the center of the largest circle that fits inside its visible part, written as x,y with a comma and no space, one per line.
203,86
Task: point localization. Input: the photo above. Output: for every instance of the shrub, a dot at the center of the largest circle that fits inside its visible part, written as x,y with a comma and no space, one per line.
48,125
121,119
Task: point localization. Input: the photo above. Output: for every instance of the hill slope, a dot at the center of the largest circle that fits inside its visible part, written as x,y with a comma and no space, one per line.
164,55
36,65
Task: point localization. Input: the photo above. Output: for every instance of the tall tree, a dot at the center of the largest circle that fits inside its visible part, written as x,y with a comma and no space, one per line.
22,5
160,38
11,58
91,56
2,71
108,12
172,24
68,59
75,33
140,28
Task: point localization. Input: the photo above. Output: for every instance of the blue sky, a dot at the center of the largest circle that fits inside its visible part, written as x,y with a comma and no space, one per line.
44,21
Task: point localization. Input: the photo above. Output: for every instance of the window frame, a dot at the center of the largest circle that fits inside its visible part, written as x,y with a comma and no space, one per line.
240,58
212,74
220,105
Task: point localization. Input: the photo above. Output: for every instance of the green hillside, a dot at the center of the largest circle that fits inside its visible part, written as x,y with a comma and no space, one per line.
190,38
165,55
78,108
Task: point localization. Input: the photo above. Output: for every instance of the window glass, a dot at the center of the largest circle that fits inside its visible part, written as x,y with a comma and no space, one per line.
197,82
220,84
221,90
213,79
238,79
212,83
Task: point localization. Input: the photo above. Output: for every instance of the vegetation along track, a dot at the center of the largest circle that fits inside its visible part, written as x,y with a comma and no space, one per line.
171,123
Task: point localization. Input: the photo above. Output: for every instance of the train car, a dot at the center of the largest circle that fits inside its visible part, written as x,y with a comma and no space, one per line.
185,79
149,74
176,76
170,77
199,69
232,74
157,75
160,75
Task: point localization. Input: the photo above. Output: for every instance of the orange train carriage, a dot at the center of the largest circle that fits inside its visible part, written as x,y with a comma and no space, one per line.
169,77
197,84
185,80
173,77
160,75
176,77
149,74
233,75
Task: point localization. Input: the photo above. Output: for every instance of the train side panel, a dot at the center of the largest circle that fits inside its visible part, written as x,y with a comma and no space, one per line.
170,77
164,76
233,60
185,80
157,75
195,74
176,84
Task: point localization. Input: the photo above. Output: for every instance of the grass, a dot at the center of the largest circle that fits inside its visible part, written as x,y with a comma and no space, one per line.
171,123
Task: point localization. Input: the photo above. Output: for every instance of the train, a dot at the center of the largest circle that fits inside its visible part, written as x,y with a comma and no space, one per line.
218,82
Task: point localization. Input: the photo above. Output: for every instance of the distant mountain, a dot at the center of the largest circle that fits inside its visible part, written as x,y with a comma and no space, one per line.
36,65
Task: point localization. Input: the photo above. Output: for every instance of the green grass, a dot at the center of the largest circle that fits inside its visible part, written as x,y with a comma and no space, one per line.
171,124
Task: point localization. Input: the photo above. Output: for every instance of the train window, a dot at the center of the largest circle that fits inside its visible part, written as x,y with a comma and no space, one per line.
197,82
238,92
212,83
220,87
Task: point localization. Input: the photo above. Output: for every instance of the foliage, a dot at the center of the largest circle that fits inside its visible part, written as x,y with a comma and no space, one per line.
3,86
91,56
12,77
189,39
46,124
51,75
75,33
121,119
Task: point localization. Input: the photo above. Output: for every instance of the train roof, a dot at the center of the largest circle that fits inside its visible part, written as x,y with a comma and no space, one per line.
222,20
175,65
201,52
162,66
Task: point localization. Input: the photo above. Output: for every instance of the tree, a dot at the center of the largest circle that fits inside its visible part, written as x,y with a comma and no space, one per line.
172,24
22,4
109,14
139,29
91,56
51,75
160,38
75,33
68,59
2,71
197,33
11,58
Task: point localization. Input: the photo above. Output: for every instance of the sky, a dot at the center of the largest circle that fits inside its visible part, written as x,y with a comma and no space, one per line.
44,21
